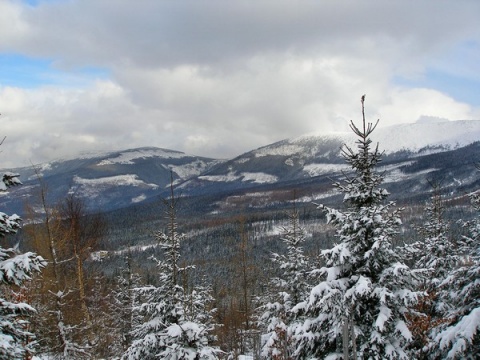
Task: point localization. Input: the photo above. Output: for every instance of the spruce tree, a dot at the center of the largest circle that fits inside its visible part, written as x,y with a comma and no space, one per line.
169,331
460,337
15,268
358,309
435,256
289,288
122,304
434,252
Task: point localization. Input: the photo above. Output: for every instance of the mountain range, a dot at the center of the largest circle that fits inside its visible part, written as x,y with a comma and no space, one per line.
414,156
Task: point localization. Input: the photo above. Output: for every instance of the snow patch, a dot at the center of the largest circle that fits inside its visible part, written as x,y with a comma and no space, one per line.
289,162
285,150
93,187
231,176
258,178
242,160
128,156
315,197
118,180
189,170
139,198
320,169
398,175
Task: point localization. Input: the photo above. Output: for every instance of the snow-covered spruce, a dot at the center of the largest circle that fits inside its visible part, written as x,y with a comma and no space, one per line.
287,290
15,268
122,304
358,309
434,256
177,324
460,337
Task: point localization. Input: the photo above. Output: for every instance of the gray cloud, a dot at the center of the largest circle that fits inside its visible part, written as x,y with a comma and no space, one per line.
167,33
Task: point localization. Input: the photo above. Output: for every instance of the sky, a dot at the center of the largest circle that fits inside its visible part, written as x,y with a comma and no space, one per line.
219,78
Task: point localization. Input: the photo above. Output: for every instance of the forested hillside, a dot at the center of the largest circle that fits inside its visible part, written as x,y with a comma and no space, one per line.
324,266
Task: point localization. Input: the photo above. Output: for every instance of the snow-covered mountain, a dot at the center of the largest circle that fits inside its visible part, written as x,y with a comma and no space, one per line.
445,151
106,180
320,154
413,139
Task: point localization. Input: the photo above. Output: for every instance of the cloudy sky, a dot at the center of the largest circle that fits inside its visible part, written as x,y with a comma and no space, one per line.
218,78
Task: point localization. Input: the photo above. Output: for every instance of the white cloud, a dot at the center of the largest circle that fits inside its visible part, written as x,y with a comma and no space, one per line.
408,105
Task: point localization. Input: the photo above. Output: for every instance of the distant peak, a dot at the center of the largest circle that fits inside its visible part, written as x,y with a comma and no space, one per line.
155,149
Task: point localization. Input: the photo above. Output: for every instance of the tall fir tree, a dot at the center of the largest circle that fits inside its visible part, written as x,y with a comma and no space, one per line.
169,331
460,337
288,290
358,309
15,268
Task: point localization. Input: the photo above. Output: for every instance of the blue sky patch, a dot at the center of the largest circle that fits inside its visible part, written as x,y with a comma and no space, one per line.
460,88
455,73
26,72
35,3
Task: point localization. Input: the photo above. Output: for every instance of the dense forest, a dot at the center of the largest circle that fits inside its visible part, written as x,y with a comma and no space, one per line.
364,278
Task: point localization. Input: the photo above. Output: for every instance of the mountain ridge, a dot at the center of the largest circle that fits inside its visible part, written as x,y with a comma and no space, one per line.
115,179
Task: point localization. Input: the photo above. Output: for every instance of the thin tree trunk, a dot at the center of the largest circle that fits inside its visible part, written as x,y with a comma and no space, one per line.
345,338
52,247
354,339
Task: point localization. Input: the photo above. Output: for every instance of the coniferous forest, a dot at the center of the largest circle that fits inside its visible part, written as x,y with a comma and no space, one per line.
364,278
